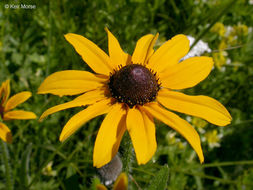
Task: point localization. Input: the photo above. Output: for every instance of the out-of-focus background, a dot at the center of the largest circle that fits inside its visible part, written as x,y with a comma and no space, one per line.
32,46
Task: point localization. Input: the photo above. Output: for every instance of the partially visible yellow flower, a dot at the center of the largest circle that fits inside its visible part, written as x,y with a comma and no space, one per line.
171,137
120,184
48,170
219,58
7,104
231,39
241,30
181,145
219,28
132,91
223,45
198,122
212,138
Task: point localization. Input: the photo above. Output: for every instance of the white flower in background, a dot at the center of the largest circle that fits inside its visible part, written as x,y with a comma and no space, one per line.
200,48
48,170
251,2
213,138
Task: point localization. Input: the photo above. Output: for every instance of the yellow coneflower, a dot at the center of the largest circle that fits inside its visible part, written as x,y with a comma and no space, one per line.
132,91
7,104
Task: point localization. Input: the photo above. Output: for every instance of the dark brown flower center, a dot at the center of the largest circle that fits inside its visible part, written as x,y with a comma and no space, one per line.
134,84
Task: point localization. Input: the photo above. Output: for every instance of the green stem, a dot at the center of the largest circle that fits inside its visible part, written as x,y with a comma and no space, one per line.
246,162
144,171
5,157
37,175
225,181
127,155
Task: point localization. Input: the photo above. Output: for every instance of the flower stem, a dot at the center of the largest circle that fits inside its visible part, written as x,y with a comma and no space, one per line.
127,155
5,158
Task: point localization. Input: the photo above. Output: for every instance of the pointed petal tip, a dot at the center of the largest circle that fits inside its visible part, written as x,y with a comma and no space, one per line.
41,118
226,119
27,93
62,137
121,182
96,165
201,157
34,116
181,36
106,29
141,162
225,122
67,35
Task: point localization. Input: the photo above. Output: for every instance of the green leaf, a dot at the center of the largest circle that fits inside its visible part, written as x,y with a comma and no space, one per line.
24,170
160,180
8,170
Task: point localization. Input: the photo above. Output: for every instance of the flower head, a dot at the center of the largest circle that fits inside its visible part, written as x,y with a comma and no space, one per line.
7,104
132,91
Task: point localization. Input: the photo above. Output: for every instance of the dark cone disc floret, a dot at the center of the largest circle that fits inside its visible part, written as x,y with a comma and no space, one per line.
134,84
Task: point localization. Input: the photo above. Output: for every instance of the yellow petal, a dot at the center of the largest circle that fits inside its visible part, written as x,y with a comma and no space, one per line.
109,136
96,58
200,106
70,82
121,182
117,55
82,117
169,53
142,132
5,91
19,114
178,124
17,99
5,133
82,100
150,131
186,74
100,187
144,49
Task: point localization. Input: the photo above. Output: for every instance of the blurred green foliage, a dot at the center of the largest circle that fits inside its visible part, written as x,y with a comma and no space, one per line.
32,46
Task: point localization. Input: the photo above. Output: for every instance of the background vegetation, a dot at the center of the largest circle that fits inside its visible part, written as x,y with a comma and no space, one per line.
32,46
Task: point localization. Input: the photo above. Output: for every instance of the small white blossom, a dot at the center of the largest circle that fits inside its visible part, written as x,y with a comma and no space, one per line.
198,49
